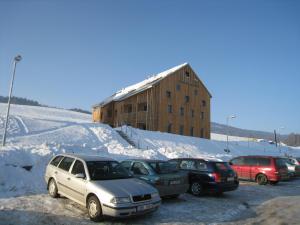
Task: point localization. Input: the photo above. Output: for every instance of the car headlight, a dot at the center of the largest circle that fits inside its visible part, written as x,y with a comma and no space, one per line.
118,200
155,195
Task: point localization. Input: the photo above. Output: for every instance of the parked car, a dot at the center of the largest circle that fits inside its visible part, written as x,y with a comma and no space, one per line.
293,169
262,169
294,161
161,174
207,176
100,184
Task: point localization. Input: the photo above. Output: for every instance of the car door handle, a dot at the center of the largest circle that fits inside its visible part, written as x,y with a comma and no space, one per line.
55,172
68,178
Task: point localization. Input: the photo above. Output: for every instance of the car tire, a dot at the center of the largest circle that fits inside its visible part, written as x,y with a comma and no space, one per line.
196,189
173,196
261,179
52,188
94,209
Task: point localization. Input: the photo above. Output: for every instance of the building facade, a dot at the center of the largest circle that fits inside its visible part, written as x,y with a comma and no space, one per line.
174,101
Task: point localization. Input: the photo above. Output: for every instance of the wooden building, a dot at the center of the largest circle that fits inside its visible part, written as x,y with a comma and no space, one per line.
174,101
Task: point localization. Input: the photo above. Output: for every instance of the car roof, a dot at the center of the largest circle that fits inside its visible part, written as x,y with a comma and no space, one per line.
259,156
206,160
146,160
87,157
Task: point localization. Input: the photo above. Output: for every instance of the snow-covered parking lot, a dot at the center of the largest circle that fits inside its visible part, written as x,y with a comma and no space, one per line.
250,204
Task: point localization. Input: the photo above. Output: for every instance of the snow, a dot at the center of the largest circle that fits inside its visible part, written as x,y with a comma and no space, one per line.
35,134
141,86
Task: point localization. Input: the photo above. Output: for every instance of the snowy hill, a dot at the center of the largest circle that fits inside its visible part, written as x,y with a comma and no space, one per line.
37,133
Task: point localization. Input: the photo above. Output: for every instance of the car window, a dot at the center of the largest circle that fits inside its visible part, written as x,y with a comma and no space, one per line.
66,163
188,165
163,167
222,166
78,168
201,165
237,161
263,161
106,170
56,160
139,169
280,163
250,161
126,164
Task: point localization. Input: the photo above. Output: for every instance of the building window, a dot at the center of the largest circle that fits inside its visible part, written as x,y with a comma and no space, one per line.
169,108
142,106
116,112
202,133
187,98
181,130
178,87
192,131
195,92
193,113
202,115
128,108
203,103
169,128
168,94
101,115
187,74
181,111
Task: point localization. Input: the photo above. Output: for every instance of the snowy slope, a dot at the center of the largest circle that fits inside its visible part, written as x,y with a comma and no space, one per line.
172,146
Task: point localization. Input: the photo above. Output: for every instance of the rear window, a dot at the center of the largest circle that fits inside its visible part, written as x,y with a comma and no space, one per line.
222,166
56,160
163,167
280,163
66,163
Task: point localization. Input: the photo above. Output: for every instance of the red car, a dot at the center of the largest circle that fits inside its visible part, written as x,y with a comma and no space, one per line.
262,169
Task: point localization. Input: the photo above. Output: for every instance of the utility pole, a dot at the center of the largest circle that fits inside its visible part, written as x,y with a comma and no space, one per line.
17,59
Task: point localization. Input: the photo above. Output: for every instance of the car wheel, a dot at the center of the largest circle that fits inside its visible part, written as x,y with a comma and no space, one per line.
262,179
52,188
94,209
196,189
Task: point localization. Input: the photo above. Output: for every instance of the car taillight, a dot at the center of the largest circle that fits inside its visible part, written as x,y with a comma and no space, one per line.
216,176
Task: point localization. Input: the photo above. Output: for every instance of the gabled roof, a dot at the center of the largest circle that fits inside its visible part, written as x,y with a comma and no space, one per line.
141,86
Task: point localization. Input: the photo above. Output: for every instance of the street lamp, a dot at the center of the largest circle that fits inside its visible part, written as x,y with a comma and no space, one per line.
17,59
227,130
277,130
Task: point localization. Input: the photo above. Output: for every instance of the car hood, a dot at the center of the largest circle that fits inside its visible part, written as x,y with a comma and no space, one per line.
125,187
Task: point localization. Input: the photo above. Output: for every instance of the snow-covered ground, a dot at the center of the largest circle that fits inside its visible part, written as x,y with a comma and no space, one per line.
35,134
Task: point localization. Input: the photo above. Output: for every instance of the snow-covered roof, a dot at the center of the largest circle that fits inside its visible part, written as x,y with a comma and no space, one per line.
139,87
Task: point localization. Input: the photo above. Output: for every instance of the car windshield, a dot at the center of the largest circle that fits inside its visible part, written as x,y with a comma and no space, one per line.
107,170
163,167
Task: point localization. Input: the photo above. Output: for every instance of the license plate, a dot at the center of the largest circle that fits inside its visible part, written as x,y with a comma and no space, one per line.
230,179
144,207
174,182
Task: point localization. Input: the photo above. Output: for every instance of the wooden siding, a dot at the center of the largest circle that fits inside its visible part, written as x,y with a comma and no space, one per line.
156,117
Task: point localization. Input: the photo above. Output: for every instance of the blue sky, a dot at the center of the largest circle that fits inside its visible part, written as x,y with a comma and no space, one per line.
75,53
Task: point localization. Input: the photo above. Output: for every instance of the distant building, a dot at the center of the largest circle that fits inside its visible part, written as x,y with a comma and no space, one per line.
174,101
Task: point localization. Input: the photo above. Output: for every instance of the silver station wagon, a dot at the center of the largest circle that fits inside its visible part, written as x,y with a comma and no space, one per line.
102,185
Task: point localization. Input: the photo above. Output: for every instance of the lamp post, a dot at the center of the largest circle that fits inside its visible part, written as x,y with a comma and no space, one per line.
227,130
277,130
17,59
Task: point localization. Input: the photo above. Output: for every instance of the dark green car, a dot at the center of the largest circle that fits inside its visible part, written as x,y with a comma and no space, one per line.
161,174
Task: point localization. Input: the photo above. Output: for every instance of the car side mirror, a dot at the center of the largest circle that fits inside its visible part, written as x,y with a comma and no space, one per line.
80,175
